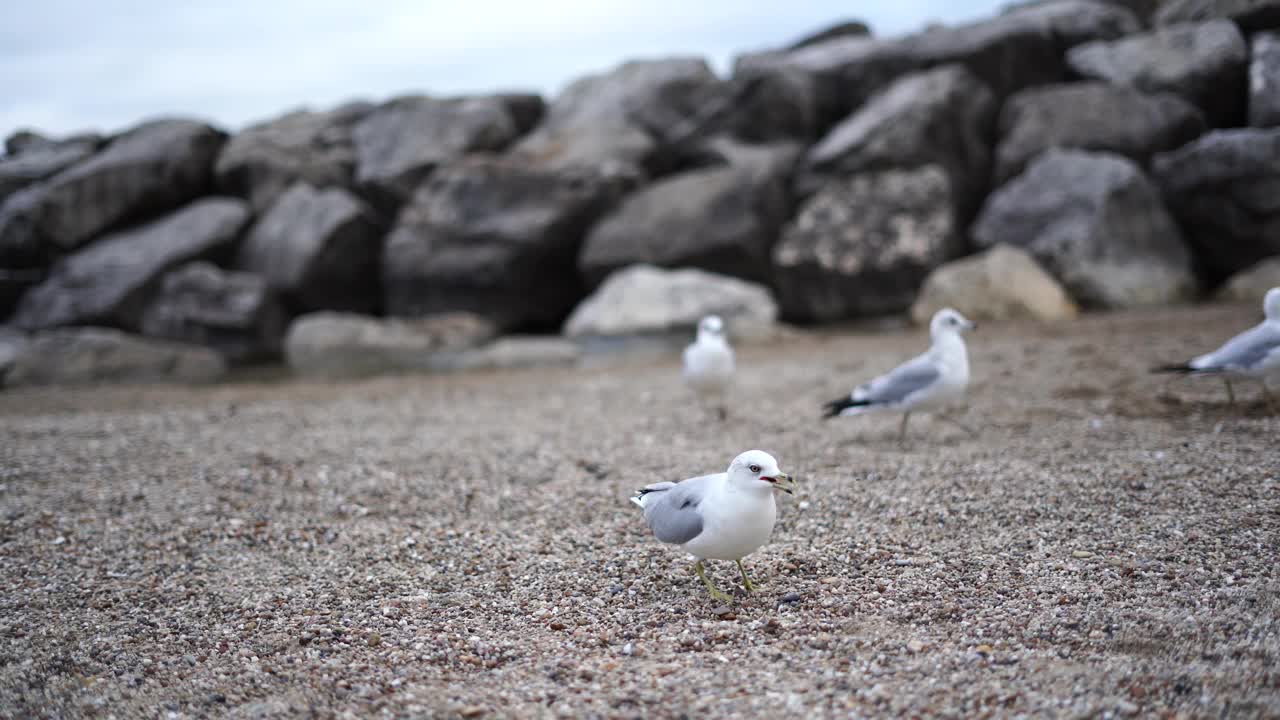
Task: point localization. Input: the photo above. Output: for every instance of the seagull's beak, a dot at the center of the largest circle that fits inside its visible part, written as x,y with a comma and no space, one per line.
970,325
783,482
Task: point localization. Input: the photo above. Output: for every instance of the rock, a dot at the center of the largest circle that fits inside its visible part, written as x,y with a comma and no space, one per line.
348,345
14,283
943,116
90,355
1250,15
645,300
1251,284
526,109
847,28
11,344
622,122
1097,224
1224,190
42,161
1204,63
1092,116
234,313
863,244
496,237
110,281
401,142
1264,80
318,249
1002,283
768,105
513,353
24,141
723,219
260,162
151,169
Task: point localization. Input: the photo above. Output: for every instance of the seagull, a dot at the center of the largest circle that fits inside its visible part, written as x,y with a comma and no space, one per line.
935,378
1254,353
708,363
726,516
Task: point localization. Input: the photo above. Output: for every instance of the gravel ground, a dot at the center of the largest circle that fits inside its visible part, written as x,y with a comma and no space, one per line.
463,545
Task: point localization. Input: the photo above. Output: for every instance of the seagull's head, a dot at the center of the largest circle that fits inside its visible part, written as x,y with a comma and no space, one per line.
711,326
947,321
758,470
1271,304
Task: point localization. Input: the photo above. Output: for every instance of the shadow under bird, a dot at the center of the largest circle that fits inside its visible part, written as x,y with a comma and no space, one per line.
726,516
709,364
934,379
1253,354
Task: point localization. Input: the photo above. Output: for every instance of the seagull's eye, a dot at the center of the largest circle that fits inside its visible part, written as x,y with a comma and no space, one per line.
754,468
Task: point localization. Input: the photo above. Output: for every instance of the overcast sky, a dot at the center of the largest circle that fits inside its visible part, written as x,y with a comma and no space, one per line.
68,65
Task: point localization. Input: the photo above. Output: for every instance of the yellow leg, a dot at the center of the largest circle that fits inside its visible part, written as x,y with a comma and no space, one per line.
902,429
746,581
1231,394
716,592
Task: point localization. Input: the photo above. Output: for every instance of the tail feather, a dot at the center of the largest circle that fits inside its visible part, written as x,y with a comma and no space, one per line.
643,493
835,407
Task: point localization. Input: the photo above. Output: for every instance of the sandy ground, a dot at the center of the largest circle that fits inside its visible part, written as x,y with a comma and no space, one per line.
463,545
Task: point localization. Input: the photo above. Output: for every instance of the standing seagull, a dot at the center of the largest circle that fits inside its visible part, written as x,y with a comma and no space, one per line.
1254,353
708,363
726,516
932,379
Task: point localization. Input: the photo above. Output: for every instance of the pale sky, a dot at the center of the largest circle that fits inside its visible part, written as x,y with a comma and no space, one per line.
68,65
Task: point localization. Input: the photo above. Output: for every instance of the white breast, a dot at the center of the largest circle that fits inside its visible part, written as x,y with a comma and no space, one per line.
734,524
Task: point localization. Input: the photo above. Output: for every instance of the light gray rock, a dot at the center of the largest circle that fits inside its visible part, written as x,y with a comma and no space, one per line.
513,352
1250,15
645,300
1097,224
111,281
1204,63
1002,283
1264,80
319,249
1251,284
349,345
862,245
234,313
71,356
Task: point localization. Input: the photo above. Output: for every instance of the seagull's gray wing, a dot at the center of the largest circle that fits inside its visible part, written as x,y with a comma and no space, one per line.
895,387
674,517
1243,352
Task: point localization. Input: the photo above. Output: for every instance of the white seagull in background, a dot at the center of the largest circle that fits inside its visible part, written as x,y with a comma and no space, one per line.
1254,353
934,379
726,516
708,364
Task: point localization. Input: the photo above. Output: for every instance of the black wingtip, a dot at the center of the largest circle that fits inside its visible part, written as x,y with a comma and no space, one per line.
1181,368
835,407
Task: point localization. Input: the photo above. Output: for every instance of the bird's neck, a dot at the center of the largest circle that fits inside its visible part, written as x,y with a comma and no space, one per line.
950,350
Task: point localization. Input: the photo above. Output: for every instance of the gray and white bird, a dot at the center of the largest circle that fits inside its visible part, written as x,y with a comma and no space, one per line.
709,364
932,380
1254,353
726,516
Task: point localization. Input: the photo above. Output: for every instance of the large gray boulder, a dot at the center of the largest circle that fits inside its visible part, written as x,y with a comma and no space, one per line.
1097,224
496,237
1250,15
39,161
943,116
350,345
1204,63
1225,191
110,281
1264,80
234,313
863,244
318,249
260,162
1251,284
401,142
72,356
14,283
722,218
646,300
625,121
1092,116
151,169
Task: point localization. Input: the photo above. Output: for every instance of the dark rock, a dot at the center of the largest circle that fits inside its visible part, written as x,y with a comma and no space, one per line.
14,283
495,237
151,169
24,141
1141,9
768,105
89,355
1096,223
863,244
943,116
723,219
1204,63
1092,116
40,161
110,282
526,109
1264,80
848,28
262,161
1250,15
318,249
11,344
234,313
623,122
347,345
402,141
1225,191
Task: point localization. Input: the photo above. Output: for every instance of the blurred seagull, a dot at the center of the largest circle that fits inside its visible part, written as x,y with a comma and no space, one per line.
708,364
933,379
725,516
1254,353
